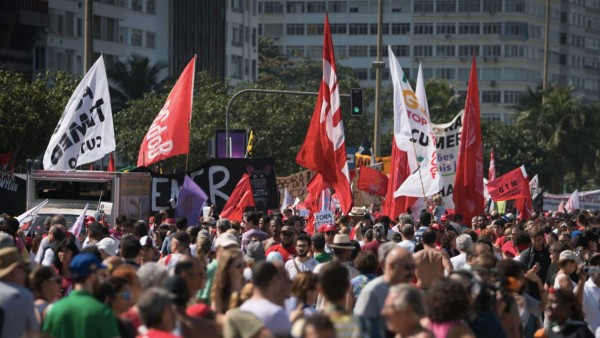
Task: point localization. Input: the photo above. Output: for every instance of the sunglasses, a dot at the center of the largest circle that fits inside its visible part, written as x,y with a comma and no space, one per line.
239,265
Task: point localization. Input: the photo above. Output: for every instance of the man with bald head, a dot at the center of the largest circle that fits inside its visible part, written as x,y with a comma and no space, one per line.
399,268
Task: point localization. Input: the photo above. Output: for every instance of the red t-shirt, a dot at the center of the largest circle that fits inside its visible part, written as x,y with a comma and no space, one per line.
157,334
286,253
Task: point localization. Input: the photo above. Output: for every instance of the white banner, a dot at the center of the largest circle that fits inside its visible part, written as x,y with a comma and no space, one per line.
78,225
588,200
85,130
413,134
323,217
447,137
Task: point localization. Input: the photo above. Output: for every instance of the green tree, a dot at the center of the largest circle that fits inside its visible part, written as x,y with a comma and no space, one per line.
133,78
29,111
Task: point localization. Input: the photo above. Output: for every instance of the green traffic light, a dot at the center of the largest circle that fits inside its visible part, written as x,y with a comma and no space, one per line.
356,109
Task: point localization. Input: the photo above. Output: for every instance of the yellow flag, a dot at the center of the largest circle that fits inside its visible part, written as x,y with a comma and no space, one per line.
250,144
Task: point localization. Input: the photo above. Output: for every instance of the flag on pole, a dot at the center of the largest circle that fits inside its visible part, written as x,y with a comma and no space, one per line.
510,186
250,146
561,207
27,218
314,188
287,200
241,198
372,181
399,171
414,136
85,132
525,204
325,200
492,169
190,201
75,229
468,182
169,134
421,93
573,202
111,164
324,149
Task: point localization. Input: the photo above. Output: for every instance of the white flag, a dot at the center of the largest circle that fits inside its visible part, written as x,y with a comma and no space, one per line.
534,186
413,134
30,215
573,202
420,91
78,224
85,130
287,200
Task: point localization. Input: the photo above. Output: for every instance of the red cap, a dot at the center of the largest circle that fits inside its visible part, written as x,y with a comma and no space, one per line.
436,226
89,220
327,227
444,217
199,310
170,220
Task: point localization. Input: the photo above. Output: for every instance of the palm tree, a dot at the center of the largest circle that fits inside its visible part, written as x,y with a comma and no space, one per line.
133,78
444,104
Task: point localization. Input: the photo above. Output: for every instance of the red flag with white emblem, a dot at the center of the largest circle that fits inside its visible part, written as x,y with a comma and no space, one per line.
324,149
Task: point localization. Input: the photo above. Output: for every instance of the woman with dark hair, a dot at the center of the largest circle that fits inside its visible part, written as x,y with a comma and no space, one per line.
63,253
449,303
366,263
116,293
449,243
564,310
229,279
140,229
304,289
45,285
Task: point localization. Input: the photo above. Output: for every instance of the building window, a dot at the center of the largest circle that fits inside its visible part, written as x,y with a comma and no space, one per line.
514,6
136,5
490,73
358,29
492,28
401,50
445,28
340,51
445,6
400,28
60,26
492,6
445,51
384,27
445,73
314,29
273,29
151,6
512,96
253,37
423,28
361,73
314,52
423,6
492,50
236,6
514,51
237,35
270,7
123,35
70,24
422,50
338,28
294,51
468,50
294,29
236,66
384,51
338,6
516,28
359,51
150,40
316,7
469,5
468,28
79,28
136,37
295,7
463,74
491,96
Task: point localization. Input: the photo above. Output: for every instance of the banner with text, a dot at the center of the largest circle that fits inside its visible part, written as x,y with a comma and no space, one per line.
295,183
12,193
324,217
588,200
447,138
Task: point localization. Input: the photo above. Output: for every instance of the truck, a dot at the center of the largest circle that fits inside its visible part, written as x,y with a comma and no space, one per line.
108,193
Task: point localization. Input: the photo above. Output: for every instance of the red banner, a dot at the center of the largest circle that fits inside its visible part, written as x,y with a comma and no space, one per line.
372,181
169,134
510,186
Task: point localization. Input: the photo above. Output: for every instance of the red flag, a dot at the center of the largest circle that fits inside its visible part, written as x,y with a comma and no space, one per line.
372,181
492,169
314,188
111,163
5,158
169,134
324,149
510,186
393,207
525,204
241,197
468,182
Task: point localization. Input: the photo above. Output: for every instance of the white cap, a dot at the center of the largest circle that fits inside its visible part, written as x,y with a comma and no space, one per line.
109,245
226,239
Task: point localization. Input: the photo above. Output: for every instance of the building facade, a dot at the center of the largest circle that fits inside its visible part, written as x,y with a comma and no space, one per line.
507,36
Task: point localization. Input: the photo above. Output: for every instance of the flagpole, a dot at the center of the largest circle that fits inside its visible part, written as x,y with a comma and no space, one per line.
420,177
187,156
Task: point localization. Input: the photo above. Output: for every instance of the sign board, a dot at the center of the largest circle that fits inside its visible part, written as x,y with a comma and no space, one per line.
447,137
324,217
350,156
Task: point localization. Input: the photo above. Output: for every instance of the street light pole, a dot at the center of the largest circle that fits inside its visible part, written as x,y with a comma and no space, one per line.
378,66
87,35
255,90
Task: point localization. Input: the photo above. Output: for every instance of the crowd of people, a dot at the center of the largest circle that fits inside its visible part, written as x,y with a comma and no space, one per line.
364,276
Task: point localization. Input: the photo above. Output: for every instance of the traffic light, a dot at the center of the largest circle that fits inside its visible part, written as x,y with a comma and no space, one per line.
356,98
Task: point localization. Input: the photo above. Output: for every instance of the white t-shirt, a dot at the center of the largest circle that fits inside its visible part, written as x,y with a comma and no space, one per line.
271,314
408,245
458,262
591,304
309,265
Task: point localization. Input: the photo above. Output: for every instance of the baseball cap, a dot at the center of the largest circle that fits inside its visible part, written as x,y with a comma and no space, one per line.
568,255
84,264
108,245
327,227
147,242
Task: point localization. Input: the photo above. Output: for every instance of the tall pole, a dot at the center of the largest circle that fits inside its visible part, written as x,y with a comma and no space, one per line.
378,66
87,35
546,46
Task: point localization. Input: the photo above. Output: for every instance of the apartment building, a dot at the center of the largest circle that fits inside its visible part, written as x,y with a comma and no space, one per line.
507,36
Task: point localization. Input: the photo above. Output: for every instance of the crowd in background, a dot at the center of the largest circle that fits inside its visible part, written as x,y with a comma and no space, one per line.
364,276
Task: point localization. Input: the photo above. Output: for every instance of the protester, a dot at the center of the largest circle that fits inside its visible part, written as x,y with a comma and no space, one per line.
45,285
403,310
223,243
286,247
65,251
431,263
229,279
448,304
408,238
464,244
564,310
318,248
304,290
157,313
302,262
366,263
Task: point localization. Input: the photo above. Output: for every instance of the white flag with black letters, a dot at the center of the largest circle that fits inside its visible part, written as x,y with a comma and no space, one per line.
85,130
